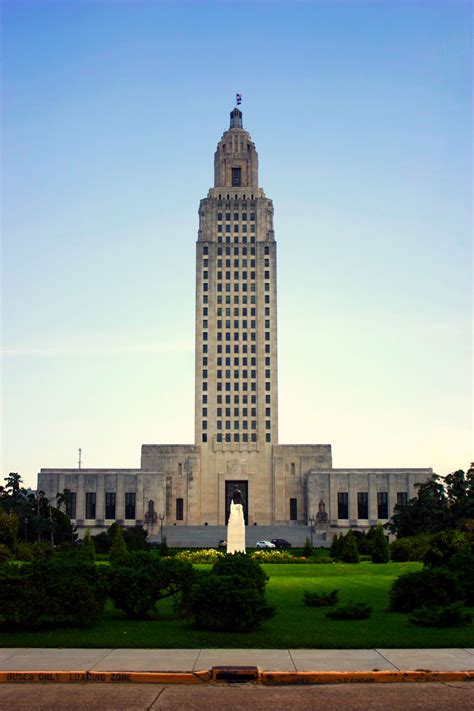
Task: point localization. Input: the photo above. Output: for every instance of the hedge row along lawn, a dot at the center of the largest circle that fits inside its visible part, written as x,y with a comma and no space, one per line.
294,625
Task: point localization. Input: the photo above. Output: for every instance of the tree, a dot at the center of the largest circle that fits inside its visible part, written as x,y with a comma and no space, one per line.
36,515
307,548
9,524
440,504
350,554
118,550
380,549
428,512
88,549
460,493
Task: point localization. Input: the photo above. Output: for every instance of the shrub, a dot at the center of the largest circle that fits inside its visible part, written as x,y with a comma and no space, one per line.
337,546
324,599
307,548
231,597
380,549
444,545
226,603
24,551
164,549
272,556
351,611
440,616
202,556
138,580
430,585
410,548
243,566
118,549
350,554
102,542
88,550
135,538
5,553
52,591
462,565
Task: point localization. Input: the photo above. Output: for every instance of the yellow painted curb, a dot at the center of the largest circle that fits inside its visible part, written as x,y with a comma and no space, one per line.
228,674
104,677
350,677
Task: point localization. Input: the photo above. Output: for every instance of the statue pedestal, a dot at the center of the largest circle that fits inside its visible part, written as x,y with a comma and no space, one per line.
236,529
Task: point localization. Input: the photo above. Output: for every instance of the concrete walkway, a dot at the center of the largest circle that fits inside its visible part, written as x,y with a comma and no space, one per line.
188,660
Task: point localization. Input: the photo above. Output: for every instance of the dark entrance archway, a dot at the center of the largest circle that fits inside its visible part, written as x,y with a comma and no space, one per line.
229,490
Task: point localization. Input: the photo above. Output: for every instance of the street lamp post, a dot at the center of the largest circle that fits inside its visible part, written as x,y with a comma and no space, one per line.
26,529
311,521
162,518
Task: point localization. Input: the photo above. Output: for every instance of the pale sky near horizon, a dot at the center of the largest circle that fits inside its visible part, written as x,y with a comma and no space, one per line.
361,115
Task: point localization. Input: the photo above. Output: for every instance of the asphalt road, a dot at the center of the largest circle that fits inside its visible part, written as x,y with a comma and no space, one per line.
154,697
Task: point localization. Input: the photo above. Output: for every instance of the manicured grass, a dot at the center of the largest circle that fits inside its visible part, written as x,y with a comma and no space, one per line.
293,626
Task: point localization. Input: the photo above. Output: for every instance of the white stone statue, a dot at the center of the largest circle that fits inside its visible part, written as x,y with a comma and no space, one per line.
236,524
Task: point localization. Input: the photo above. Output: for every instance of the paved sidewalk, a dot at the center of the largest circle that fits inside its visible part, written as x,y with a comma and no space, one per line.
188,660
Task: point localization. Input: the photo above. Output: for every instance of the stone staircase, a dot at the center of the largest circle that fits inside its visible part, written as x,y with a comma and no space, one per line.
209,536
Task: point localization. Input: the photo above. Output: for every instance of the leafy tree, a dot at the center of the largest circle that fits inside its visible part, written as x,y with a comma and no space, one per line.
9,524
380,549
138,580
427,512
460,493
44,522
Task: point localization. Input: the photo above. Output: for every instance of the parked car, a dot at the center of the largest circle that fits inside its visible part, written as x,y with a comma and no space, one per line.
222,544
264,544
281,543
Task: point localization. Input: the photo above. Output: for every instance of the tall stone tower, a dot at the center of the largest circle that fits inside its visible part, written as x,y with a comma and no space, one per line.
236,399
236,403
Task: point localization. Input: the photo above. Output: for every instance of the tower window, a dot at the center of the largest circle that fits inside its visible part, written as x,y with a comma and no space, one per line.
236,174
179,509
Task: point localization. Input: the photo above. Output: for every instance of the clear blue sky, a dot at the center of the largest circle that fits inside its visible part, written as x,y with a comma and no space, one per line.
361,116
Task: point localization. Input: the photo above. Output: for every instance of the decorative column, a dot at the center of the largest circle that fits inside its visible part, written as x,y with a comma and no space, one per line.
100,500
120,501
352,501
373,511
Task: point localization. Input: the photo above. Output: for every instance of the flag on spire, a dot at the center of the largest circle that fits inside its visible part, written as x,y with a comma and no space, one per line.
238,99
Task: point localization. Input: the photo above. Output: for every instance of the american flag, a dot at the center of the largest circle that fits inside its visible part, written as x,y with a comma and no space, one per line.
238,99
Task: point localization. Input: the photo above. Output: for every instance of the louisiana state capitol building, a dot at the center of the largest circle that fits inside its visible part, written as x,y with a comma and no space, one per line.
236,400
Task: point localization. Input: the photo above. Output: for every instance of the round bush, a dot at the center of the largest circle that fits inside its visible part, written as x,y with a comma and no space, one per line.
430,585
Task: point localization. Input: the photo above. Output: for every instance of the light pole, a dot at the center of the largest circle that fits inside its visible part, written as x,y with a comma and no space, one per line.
26,529
311,521
162,518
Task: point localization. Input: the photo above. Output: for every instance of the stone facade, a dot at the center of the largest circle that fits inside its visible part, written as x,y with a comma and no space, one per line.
236,396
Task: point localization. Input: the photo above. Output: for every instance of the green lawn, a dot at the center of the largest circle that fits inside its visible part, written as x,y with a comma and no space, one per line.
293,626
